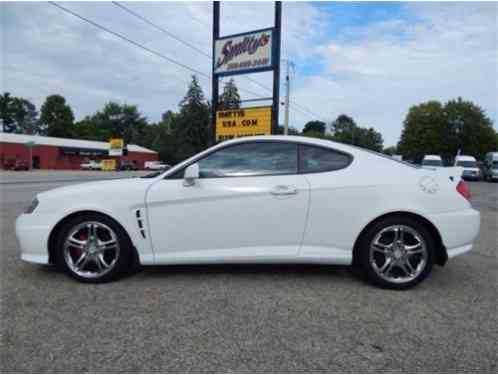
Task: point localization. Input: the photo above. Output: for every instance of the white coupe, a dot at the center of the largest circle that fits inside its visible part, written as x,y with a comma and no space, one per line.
269,199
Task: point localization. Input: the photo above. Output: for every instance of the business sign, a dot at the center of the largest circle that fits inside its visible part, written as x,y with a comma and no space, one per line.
116,147
245,122
108,164
243,53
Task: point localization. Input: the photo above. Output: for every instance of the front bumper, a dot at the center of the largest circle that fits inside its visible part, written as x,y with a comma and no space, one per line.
32,232
458,230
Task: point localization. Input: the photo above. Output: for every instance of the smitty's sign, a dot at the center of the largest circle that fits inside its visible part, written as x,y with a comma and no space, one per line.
246,52
236,123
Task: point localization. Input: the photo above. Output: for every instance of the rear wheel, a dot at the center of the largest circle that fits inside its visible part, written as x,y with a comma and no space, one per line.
93,248
396,252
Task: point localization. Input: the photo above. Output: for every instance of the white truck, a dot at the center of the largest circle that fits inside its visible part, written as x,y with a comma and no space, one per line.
491,166
156,165
432,162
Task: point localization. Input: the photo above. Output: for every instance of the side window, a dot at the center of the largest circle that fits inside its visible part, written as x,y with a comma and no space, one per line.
250,159
317,159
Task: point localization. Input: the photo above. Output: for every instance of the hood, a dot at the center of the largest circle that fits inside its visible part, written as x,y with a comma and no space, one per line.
95,188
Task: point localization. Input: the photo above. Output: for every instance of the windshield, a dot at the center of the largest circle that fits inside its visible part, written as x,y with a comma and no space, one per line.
467,164
433,163
495,164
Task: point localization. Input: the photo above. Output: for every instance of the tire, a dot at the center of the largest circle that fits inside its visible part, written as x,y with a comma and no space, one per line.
97,264
384,264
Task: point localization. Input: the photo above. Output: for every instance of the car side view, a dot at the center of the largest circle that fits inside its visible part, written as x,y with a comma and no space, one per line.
265,199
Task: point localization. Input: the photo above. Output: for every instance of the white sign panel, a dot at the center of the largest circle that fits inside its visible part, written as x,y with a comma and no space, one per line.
251,51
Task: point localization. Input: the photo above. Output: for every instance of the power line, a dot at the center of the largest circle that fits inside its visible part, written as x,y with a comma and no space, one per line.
136,44
158,54
300,108
171,35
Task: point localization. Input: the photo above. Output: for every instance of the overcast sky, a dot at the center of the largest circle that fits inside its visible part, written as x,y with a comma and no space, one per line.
371,61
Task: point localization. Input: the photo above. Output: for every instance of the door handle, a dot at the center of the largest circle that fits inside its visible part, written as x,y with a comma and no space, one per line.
283,190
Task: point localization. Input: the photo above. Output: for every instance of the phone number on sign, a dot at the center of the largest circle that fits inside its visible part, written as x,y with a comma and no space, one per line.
248,64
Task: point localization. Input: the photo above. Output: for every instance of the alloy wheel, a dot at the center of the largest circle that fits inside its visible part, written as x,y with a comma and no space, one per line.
398,254
91,249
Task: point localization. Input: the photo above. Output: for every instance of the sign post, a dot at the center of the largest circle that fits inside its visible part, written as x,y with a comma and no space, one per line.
250,52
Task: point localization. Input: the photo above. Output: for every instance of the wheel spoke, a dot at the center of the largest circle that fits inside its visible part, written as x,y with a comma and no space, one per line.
405,269
386,267
414,249
84,263
81,258
79,244
92,231
409,267
399,234
101,260
381,248
107,245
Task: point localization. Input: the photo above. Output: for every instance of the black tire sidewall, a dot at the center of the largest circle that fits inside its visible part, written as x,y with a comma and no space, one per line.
125,247
368,236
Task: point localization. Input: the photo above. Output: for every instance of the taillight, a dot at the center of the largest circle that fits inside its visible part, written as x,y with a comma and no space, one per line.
463,189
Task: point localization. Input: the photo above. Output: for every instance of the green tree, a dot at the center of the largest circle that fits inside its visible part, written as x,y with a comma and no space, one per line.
230,98
191,130
315,126
392,150
19,115
114,121
57,116
434,128
345,130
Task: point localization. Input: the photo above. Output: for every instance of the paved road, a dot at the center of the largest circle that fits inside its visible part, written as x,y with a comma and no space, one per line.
248,318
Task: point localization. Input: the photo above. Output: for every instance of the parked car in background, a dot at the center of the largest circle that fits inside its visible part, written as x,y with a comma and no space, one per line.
156,166
127,165
491,167
266,199
471,170
432,162
91,165
16,165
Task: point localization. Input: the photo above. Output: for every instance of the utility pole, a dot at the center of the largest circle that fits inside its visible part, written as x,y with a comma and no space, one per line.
287,100
214,80
276,69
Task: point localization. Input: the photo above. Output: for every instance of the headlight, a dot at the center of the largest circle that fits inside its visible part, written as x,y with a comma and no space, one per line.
31,207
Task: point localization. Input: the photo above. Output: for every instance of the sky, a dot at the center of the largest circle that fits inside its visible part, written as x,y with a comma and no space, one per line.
371,61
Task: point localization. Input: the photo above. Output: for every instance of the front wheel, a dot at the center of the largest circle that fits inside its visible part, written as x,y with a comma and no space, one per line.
93,248
396,252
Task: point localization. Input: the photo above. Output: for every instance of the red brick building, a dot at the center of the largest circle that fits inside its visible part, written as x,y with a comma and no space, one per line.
63,153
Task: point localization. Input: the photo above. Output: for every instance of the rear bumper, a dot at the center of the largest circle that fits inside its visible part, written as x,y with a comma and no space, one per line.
458,230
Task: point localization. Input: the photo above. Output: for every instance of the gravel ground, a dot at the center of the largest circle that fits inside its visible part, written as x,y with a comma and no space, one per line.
247,318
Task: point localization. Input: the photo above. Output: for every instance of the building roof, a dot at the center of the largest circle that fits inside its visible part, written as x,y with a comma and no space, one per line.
64,142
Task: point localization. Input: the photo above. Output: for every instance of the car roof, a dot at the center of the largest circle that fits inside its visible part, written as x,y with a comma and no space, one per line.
466,158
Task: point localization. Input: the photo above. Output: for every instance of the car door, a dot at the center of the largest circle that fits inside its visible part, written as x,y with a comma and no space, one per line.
248,203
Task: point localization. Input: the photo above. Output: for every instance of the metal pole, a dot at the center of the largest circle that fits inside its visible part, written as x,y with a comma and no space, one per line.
214,83
276,66
287,102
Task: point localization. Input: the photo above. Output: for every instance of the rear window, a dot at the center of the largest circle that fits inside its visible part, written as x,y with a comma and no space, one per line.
467,164
433,163
318,159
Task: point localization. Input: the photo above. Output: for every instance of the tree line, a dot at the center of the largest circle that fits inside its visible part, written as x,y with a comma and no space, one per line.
428,128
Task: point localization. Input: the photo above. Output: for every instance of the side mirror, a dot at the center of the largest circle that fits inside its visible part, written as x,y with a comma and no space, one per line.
191,174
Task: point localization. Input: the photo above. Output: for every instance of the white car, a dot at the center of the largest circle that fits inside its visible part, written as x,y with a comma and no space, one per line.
471,170
91,165
267,199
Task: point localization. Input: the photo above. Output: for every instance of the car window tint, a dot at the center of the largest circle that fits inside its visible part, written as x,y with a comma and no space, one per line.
250,159
318,159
